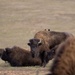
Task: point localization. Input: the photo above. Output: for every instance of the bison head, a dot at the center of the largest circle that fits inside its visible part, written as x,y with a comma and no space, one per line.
6,53
34,45
50,55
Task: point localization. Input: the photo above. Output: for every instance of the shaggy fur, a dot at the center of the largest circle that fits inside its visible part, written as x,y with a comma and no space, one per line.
64,61
17,56
49,39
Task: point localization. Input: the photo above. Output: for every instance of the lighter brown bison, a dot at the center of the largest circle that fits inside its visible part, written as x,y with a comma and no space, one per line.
64,60
45,41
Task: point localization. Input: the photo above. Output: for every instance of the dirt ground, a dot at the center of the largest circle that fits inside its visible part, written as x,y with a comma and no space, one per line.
24,71
21,19
6,69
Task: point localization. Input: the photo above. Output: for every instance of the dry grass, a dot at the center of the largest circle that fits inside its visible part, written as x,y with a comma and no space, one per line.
21,19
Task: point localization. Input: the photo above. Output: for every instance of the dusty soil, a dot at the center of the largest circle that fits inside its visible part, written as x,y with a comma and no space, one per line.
24,71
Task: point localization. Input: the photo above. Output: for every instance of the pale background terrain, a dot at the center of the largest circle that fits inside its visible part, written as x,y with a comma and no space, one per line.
21,19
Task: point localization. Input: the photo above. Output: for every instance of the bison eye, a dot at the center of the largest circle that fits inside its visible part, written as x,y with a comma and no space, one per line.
29,44
39,44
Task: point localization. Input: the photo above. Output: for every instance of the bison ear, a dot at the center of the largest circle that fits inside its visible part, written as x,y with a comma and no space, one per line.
29,44
44,29
48,29
8,50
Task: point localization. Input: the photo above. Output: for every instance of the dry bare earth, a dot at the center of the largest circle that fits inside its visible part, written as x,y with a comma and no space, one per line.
24,71
21,19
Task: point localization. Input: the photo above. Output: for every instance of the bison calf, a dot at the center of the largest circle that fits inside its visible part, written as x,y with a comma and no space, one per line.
64,61
17,56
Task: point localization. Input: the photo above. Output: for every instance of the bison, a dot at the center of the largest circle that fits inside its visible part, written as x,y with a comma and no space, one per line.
17,56
64,60
45,41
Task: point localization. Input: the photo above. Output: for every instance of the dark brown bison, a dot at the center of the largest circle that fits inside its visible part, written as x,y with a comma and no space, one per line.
45,41
64,60
17,56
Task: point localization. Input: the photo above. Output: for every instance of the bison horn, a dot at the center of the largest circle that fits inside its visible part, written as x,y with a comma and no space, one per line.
39,41
4,49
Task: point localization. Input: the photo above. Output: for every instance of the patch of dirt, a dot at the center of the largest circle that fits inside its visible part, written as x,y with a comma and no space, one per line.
24,71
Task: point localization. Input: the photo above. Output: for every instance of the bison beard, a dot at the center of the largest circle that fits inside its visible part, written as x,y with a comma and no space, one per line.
64,61
49,41
17,56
